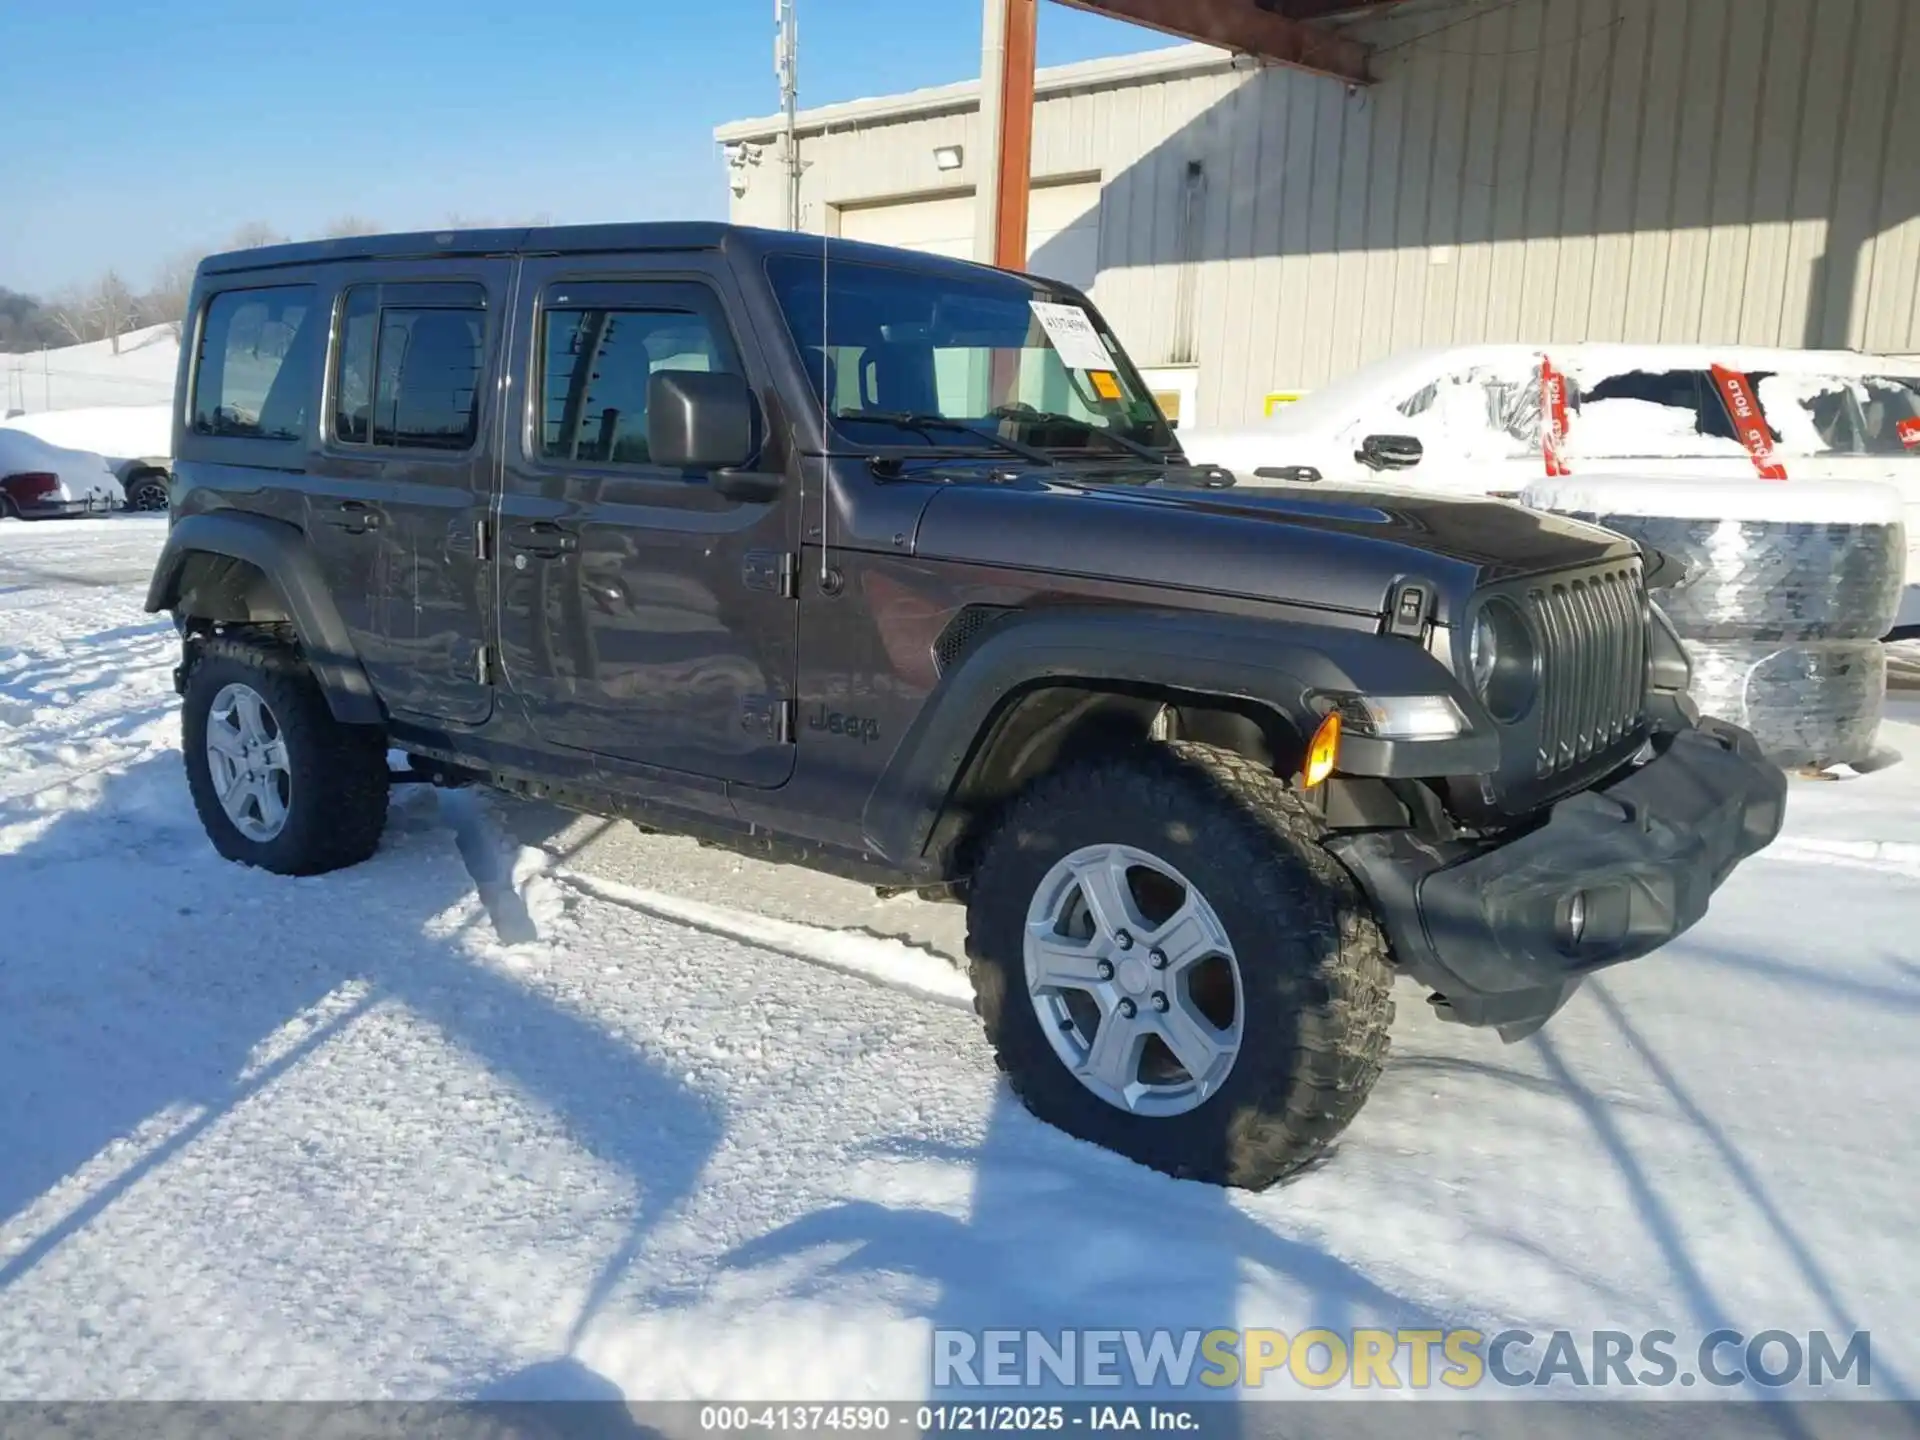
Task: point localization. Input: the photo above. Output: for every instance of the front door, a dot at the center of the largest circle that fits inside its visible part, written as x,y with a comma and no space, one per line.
642,615
404,481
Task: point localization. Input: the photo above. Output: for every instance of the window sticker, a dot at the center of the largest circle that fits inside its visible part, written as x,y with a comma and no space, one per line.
1071,330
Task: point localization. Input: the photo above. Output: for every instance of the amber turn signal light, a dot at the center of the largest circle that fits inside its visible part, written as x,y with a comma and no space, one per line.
1323,753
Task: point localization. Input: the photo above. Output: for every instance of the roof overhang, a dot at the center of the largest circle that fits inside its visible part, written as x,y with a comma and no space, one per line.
1305,34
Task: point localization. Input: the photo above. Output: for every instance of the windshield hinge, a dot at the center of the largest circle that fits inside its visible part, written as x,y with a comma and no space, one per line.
1409,607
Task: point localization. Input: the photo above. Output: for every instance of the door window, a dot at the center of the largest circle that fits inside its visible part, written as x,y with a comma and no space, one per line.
1654,413
408,370
596,365
1484,412
1890,415
252,375
1844,415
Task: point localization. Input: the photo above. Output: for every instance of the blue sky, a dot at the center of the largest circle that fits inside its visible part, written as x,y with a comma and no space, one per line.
136,129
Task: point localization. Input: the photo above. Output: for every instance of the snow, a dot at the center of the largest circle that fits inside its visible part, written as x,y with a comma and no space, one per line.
1802,502
122,432
530,1106
93,375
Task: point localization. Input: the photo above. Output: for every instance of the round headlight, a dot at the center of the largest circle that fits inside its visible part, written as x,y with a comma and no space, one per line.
1503,661
1484,653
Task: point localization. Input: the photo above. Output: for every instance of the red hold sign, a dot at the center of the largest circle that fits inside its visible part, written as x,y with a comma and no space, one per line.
1553,419
1749,422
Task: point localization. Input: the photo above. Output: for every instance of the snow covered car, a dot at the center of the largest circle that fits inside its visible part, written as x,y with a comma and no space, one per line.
135,439
1467,420
39,481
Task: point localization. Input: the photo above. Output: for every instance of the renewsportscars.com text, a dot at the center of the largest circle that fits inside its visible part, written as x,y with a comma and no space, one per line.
1456,1360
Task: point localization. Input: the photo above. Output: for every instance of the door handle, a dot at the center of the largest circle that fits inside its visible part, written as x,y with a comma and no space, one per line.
356,517
542,538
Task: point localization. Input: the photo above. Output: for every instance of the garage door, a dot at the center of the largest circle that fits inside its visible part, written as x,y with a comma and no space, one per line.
1063,229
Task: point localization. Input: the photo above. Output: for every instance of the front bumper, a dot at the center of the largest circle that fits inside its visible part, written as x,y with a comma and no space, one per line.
1505,934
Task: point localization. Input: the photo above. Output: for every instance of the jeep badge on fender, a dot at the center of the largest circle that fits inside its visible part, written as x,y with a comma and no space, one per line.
863,728
1203,773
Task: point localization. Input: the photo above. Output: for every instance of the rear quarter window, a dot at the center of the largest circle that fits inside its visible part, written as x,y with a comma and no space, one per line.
253,368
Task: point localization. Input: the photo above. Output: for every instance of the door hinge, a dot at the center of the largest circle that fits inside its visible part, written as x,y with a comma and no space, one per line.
778,572
483,665
769,718
482,541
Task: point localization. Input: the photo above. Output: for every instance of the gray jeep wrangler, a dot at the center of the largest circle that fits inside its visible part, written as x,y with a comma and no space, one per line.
889,565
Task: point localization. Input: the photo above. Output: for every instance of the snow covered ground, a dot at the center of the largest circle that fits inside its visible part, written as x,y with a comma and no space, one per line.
94,375
610,1113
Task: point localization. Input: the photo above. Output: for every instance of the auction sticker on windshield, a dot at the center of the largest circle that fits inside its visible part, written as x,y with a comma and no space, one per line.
1071,330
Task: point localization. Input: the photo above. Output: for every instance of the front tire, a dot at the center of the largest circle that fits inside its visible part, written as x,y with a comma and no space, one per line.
148,493
1169,965
277,781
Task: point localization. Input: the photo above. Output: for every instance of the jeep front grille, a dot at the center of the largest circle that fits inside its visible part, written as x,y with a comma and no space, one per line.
1593,663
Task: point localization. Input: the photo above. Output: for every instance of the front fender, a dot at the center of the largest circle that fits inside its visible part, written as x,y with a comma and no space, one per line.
1278,664
280,552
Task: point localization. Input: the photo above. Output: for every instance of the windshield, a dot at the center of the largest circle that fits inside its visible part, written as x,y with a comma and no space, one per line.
913,358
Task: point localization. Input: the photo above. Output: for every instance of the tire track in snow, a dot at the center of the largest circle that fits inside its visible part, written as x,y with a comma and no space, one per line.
1886,857
504,871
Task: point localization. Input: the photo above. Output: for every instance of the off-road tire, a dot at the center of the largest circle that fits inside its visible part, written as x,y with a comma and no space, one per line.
7,510
338,803
1315,975
143,487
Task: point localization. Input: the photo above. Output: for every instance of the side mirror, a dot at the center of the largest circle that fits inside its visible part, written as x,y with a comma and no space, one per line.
1390,452
701,420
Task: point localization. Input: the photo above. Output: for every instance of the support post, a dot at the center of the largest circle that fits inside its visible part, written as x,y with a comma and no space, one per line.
1009,40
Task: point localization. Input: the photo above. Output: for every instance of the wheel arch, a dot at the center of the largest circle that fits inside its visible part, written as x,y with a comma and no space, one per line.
234,568
1040,683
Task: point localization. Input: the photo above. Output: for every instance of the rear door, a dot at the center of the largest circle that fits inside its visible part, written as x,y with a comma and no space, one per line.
642,615
403,481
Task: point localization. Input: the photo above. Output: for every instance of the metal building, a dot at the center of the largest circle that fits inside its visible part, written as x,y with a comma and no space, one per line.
1526,170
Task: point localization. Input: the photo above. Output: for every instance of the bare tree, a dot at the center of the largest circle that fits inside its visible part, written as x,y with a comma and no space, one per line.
255,235
458,220
165,303
117,307
104,310
348,225
72,315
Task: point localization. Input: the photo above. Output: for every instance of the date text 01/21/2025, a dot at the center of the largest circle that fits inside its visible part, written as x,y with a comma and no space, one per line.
946,1419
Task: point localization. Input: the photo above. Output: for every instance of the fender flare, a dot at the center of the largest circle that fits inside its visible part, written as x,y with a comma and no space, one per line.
280,552
1277,664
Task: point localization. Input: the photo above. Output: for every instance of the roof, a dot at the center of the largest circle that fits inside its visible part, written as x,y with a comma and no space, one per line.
571,240
1055,80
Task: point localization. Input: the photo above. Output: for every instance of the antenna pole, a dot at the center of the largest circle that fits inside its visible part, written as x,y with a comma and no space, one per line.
786,66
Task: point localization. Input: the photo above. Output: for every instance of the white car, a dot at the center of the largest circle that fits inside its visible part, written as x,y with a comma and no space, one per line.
39,481
1469,420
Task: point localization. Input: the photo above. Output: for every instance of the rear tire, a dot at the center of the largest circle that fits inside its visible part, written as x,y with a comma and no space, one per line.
1308,965
282,785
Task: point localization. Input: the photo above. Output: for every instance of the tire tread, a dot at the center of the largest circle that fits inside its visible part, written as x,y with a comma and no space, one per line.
1344,1004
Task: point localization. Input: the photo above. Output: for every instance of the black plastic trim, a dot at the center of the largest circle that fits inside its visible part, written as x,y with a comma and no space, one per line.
1277,664
279,551
1487,926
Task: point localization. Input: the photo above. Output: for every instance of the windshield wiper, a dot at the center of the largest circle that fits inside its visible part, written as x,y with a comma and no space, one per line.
918,420
1051,417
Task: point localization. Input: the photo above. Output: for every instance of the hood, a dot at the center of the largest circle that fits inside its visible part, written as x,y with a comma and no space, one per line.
1339,548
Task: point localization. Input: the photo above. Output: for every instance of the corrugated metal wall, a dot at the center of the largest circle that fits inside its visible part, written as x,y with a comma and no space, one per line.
1531,170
